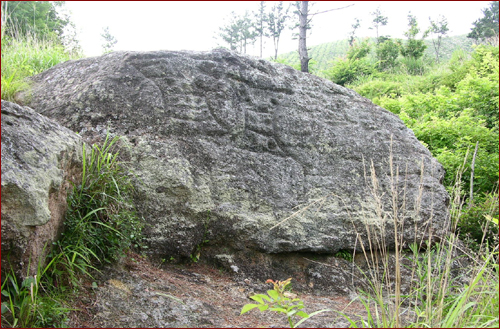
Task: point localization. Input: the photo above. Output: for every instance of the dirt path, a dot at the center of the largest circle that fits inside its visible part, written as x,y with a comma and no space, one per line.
141,294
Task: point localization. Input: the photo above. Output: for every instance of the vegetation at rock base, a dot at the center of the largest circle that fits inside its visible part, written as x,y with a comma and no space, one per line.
449,99
100,226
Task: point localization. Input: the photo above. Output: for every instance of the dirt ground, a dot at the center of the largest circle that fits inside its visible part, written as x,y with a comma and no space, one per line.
140,294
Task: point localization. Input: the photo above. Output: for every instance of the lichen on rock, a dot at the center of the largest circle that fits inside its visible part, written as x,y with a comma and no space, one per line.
249,142
39,160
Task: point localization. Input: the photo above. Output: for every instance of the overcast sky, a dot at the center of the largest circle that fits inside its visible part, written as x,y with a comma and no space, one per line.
193,25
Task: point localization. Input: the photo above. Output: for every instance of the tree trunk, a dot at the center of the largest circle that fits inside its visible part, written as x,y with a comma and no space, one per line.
261,46
304,58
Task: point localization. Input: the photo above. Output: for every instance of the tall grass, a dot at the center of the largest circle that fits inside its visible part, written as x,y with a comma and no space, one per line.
439,296
26,303
101,223
446,285
100,226
27,55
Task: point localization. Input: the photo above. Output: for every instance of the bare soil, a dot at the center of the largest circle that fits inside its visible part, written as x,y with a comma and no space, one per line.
137,293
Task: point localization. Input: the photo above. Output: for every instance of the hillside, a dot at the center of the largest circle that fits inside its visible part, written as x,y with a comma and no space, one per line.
323,54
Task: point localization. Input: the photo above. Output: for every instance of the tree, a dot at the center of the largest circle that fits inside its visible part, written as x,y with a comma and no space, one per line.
352,34
109,40
387,52
239,32
378,21
439,28
276,24
302,11
413,48
247,31
260,22
486,28
39,18
230,33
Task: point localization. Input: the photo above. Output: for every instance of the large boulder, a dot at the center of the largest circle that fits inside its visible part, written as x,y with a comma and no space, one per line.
224,147
39,160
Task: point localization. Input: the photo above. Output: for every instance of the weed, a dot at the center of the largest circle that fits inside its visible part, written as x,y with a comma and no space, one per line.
345,254
26,305
281,300
26,56
101,223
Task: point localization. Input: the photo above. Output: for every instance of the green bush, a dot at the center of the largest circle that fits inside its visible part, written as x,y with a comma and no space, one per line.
345,71
379,88
387,54
413,66
359,51
475,225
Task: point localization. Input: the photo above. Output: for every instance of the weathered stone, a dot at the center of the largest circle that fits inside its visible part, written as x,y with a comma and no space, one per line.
224,147
39,159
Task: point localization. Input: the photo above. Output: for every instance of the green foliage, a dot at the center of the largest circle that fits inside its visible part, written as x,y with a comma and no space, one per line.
486,28
437,298
439,28
281,301
346,71
101,223
387,53
378,20
449,122
29,305
345,254
413,48
378,88
325,53
476,224
109,40
238,32
20,309
35,18
26,56
276,22
359,51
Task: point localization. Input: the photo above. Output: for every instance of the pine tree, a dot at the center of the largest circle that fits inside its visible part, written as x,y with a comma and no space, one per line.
486,28
109,41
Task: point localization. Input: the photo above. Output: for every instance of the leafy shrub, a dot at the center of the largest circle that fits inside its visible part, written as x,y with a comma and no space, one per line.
379,88
413,66
449,121
281,301
346,71
476,225
387,54
358,51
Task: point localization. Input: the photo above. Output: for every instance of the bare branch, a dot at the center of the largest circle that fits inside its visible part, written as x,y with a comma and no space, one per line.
321,12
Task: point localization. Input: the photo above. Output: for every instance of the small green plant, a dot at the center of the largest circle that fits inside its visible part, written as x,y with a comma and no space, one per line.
345,254
20,309
30,305
281,301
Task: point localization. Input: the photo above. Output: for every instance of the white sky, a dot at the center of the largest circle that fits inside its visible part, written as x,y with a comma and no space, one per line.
193,25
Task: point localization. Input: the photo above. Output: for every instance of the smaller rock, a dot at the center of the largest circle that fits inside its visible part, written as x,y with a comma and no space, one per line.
39,160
